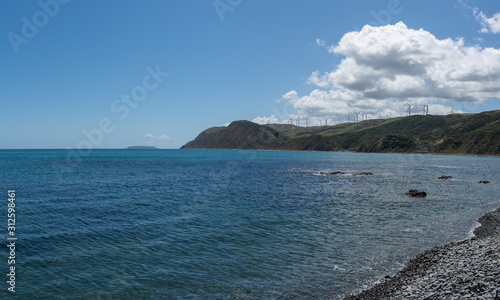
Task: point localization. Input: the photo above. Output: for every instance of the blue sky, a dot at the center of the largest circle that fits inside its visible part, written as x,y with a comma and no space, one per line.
68,64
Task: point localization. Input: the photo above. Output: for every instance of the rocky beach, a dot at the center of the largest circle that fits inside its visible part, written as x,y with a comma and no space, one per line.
468,269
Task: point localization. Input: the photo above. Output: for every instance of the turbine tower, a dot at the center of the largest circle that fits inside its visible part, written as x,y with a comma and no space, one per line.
326,120
357,116
425,110
409,108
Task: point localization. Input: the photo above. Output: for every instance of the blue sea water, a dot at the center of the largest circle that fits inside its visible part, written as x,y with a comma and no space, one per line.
222,224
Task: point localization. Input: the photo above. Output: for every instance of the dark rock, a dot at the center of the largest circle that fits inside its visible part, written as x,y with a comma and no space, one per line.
415,193
362,173
484,181
445,177
331,173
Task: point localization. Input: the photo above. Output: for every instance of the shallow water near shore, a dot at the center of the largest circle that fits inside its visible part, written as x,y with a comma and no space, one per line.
156,224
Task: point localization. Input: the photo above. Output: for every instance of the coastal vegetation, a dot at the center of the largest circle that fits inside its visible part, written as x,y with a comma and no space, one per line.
474,134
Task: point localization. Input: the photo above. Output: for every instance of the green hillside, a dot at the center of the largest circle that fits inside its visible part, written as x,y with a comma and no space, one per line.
450,134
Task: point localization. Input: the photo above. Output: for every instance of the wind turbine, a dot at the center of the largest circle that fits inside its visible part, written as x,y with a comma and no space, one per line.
451,111
307,122
357,116
409,108
326,120
425,110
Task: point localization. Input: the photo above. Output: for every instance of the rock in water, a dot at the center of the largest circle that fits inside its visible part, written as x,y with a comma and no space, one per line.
363,173
416,193
332,173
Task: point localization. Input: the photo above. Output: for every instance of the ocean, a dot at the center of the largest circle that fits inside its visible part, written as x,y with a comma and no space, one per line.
226,224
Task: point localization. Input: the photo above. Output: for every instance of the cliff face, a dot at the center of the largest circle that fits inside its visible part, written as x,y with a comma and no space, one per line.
248,135
451,134
238,135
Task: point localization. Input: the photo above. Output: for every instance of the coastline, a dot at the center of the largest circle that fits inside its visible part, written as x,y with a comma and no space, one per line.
345,151
467,269
274,150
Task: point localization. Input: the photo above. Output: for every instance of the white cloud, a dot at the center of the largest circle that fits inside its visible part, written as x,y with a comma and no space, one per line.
318,80
320,42
290,95
394,61
266,120
383,67
489,24
164,137
160,137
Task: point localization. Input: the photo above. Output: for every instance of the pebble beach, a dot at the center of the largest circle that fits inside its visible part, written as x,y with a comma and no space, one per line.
468,269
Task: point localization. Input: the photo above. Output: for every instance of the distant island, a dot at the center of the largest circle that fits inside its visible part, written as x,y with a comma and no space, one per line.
474,134
142,147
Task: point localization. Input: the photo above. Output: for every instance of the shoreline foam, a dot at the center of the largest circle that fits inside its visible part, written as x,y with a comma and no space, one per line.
467,269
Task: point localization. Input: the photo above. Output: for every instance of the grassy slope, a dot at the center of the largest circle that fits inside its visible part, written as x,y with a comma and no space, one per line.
456,133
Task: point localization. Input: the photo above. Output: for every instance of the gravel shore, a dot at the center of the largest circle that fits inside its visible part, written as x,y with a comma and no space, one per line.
468,269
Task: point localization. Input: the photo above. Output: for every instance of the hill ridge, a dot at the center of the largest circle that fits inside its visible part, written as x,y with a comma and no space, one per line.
477,134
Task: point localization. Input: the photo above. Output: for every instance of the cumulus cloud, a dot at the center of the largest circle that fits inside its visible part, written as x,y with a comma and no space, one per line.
290,95
266,120
489,24
394,61
318,80
160,137
385,67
